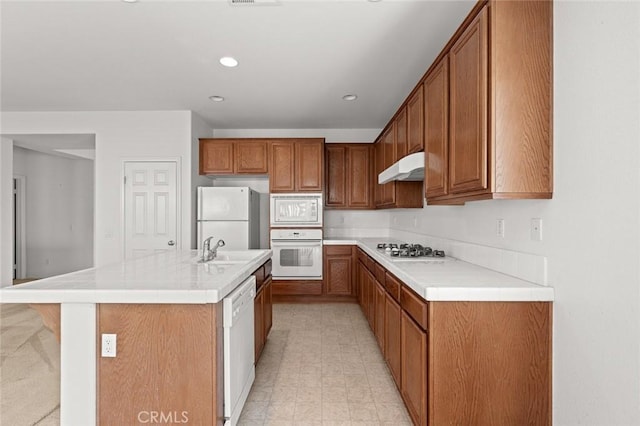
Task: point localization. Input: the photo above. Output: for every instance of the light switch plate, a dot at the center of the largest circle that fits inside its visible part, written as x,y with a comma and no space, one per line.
536,229
500,228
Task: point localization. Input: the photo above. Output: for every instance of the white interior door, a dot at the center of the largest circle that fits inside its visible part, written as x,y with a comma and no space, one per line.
150,207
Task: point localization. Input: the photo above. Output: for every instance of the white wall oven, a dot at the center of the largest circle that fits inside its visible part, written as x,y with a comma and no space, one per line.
297,254
296,210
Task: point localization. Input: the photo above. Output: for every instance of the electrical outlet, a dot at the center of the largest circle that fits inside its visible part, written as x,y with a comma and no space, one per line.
109,345
536,229
500,228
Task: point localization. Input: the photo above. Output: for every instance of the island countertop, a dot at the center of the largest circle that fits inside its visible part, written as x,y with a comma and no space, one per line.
452,280
167,277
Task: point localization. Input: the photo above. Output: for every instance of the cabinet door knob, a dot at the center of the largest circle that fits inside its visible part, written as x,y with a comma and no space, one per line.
171,243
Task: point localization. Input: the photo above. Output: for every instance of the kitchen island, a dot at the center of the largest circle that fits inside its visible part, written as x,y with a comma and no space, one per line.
166,310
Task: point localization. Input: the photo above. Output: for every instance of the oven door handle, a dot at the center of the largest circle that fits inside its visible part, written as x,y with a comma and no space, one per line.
296,243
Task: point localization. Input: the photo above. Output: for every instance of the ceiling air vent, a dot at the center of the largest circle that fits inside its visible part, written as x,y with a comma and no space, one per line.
254,2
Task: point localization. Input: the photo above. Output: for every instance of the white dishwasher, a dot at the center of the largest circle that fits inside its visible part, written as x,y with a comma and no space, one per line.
239,368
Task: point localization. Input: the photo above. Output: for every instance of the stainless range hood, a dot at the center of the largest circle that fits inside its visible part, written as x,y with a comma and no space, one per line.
409,168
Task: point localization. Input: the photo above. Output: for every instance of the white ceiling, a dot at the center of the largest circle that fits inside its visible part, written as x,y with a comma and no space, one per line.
297,58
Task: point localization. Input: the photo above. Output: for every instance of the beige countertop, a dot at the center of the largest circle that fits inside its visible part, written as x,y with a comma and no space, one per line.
168,277
450,279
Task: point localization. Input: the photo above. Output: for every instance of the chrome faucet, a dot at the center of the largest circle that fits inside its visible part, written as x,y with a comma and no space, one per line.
209,253
214,250
206,249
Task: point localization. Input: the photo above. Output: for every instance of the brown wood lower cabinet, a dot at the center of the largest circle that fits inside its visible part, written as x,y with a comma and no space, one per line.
414,369
461,363
392,341
338,270
490,363
258,327
380,302
363,288
263,307
371,299
268,306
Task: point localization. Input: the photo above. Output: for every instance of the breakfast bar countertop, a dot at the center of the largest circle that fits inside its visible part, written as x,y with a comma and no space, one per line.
451,279
167,277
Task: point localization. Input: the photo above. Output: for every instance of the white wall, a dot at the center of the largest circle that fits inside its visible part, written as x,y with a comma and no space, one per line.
118,136
591,226
199,129
357,223
59,212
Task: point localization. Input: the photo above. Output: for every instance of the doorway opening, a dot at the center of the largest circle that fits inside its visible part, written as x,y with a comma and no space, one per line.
19,231
53,205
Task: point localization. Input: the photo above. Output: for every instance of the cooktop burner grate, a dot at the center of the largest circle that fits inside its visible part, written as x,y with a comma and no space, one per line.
405,250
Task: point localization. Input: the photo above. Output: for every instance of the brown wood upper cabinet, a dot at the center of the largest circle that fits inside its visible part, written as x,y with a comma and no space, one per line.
436,96
388,189
415,121
349,170
233,156
401,141
488,107
396,194
468,95
297,165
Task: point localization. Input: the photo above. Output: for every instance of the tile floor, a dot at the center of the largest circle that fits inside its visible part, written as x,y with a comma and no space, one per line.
322,366
29,369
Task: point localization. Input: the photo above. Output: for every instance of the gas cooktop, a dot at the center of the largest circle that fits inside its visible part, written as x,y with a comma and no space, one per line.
409,252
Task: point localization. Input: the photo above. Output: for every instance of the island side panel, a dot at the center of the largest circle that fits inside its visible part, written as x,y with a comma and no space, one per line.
167,361
490,363
77,364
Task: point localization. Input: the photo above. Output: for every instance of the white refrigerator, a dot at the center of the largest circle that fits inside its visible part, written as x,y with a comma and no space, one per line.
231,214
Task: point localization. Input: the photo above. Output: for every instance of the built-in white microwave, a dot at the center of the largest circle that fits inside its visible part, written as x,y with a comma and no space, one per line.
296,210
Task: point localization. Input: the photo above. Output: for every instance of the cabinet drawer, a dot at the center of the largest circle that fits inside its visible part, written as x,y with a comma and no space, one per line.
362,256
338,250
380,272
371,265
415,306
393,285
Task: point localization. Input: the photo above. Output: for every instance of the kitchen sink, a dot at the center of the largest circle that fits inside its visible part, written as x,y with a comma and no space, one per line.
227,258
238,256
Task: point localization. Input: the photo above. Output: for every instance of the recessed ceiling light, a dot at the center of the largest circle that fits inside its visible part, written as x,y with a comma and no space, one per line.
350,97
216,98
228,61
130,1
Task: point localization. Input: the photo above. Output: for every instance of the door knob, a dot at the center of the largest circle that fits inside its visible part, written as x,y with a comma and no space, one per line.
171,243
